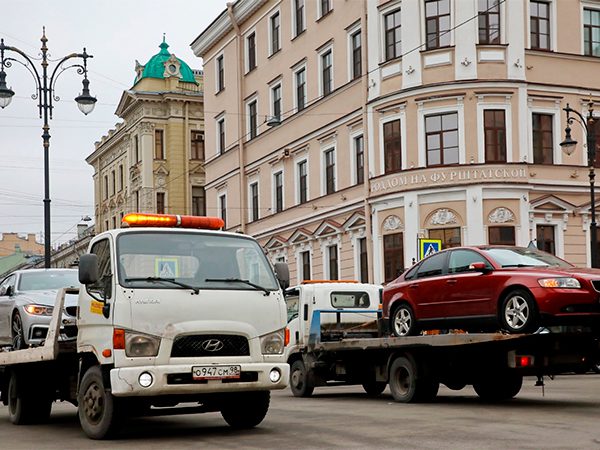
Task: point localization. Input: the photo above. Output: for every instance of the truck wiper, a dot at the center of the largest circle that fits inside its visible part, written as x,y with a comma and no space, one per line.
239,280
168,280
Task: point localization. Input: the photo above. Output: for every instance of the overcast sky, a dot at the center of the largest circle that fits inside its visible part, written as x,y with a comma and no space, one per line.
116,33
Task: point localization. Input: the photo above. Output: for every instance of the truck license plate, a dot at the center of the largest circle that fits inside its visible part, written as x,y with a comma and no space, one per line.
215,372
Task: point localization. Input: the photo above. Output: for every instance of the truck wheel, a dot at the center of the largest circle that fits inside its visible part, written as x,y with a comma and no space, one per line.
407,386
247,409
518,313
17,333
402,322
27,405
374,388
496,389
98,411
300,382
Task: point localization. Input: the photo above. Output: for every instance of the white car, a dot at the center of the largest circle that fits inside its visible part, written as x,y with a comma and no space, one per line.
27,300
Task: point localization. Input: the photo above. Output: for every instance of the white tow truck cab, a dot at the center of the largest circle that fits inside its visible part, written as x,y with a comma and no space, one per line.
331,310
173,311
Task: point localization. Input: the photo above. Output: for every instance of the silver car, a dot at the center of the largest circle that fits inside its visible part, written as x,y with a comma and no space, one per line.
27,300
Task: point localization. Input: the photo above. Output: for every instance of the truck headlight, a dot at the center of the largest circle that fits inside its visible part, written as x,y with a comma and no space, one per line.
273,343
39,310
560,282
137,344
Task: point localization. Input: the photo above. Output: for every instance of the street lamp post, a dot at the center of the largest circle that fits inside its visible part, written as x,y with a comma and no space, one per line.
568,146
45,95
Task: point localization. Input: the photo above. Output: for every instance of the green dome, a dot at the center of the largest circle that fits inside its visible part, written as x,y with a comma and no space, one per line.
155,68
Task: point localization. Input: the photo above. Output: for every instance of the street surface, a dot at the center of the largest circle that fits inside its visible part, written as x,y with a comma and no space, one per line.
568,417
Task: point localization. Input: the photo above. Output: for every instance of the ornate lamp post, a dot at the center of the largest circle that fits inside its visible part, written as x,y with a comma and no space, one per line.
568,146
45,95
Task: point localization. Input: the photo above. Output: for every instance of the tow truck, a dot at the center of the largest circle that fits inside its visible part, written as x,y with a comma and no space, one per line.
337,337
174,316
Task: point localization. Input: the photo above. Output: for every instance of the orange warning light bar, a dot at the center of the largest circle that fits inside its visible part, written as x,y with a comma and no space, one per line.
172,220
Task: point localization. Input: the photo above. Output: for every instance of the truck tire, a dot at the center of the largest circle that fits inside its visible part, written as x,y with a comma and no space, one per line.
518,313
402,321
26,404
407,385
374,388
300,380
247,409
497,389
98,409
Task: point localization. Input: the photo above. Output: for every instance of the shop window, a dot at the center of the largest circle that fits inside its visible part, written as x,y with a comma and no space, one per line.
500,235
393,255
546,239
450,237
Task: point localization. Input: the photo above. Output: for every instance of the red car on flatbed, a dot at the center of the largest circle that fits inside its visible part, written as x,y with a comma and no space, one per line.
500,287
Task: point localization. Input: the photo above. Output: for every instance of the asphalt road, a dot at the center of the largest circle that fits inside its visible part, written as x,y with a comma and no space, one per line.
566,417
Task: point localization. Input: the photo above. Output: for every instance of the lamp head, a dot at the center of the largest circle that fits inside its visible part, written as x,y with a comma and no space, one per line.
6,94
85,102
568,145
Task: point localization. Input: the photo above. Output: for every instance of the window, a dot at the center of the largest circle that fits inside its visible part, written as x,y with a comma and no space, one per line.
278,182
220,74
460,260
121,178
498,235
450,237
591,32
298,17
136,198
332,254
441,135
356,55
103,286
197,145
160,202
302,182
393,38
545,238
223,209
543,146
325,7
393,255
305,265
136,149
329,156
359,159
198,201
494,128
350,299
252,120
159,147
251,52
254,201
363,262
326,73
221,136
539,24
276,101
437,23
300,89
114,222
113,178
274,30
392,146
105,187
489,22
432,266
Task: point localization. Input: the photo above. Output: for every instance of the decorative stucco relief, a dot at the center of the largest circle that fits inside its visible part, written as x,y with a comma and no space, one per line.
501,215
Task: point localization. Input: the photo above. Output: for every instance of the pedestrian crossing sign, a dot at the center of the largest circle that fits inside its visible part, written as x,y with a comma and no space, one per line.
166,267
429,247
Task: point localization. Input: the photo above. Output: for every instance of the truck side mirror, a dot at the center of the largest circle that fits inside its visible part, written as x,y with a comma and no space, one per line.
282,271
88,269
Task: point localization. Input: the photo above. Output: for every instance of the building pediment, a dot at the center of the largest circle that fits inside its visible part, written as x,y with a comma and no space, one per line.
161,170
300,235
275,242
125,103
328,228
355,221
551,203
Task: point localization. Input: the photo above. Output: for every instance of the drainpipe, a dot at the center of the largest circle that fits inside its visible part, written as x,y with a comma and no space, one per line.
186,158
240,117
366,183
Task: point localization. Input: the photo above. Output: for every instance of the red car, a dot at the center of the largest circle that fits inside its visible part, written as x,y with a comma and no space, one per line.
512,288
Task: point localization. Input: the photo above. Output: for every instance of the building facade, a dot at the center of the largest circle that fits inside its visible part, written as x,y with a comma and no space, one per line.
399,120
153,161
11,243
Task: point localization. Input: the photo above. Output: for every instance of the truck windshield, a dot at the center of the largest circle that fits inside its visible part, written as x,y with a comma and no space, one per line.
196,259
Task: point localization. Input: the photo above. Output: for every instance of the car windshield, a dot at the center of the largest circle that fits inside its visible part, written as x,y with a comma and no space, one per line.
198,260
524,257
48,279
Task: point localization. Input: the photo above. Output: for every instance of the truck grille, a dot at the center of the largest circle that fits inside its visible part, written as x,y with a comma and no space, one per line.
210,345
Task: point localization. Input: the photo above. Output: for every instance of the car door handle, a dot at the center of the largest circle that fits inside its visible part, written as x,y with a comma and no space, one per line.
414,286
450,281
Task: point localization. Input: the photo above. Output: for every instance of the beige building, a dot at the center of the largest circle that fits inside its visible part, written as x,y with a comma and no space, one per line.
153,161
13,242
399,120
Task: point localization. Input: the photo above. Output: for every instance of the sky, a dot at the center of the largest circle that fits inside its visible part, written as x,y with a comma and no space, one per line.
116,33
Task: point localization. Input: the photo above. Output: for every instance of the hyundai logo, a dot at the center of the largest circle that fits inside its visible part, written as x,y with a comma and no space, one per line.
212,345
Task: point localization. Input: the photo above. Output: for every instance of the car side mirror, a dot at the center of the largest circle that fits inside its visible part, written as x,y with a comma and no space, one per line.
282,271
10,291
479,267
88,269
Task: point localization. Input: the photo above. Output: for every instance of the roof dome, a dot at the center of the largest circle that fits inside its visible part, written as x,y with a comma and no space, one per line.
156,67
